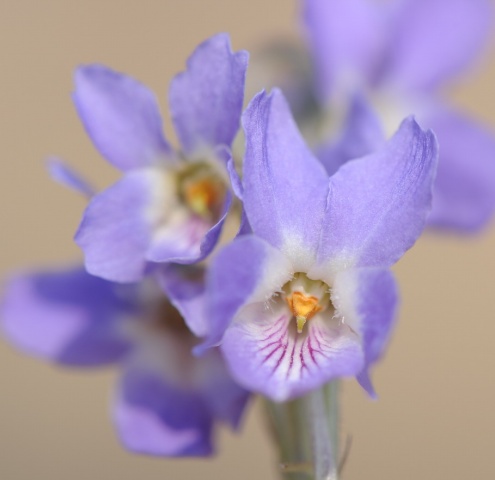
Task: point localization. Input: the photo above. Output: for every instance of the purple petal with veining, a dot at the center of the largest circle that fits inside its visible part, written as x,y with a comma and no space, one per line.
268,356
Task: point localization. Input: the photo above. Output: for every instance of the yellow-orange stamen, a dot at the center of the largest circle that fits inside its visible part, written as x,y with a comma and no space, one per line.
202,196
303,307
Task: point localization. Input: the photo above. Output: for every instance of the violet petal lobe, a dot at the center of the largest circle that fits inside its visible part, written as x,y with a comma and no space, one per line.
346,40
67,316
367,299
434,40
206,100
184,286
377,205
362,134
189,240
226,400
155,417
267,355
117,227
285,186
464,190
121,116
247,268
65,175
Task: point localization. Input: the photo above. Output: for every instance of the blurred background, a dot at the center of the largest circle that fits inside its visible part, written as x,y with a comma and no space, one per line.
434,417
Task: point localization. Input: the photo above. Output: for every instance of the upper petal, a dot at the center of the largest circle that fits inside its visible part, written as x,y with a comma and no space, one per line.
121,117
67,316
346,41
464,190
377,205
206,100
285,186
433,40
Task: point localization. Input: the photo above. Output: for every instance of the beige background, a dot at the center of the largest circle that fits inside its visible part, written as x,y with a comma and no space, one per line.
435,417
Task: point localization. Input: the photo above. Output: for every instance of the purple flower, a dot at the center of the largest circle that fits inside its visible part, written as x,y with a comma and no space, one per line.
399,54
167,401
169,206
309,296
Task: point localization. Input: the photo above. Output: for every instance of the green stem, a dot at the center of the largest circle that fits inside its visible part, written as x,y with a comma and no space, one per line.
306,431
322,436
332,404
288,427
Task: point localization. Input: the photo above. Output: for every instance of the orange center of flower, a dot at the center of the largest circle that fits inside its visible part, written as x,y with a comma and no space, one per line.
202,190
303,307
201,196
306,297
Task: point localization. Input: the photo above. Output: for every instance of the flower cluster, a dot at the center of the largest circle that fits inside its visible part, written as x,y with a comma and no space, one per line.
199,317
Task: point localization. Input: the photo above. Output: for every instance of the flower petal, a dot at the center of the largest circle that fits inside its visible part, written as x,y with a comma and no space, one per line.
367,299
285,186
346,39
68,316
155,417
63,174
464,190
226,400
362,134
118,224
377,205
169,400
433,40
185,288
121,117
187,239
267,355
247,268
206,100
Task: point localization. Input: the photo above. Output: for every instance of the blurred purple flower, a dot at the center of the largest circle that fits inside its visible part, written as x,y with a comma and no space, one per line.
399,54
309,296
168,207
167,401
